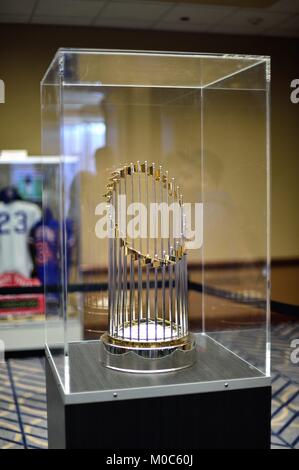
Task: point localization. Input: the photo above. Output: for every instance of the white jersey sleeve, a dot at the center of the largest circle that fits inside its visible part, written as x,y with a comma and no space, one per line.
34,215
16,221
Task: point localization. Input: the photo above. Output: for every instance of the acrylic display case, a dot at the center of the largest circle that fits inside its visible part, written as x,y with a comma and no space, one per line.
21,293
22,302
170,210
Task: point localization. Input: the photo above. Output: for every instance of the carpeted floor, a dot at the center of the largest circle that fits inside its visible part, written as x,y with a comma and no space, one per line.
23,413
23,418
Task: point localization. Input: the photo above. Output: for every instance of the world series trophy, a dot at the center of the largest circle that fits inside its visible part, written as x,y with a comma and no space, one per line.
148,284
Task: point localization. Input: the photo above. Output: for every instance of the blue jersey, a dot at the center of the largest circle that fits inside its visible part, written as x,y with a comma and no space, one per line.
45,237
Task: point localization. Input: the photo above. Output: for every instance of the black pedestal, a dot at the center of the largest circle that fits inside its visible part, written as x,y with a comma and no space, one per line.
228,418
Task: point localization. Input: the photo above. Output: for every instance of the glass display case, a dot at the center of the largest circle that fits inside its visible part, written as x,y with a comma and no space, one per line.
22,301
169,211
21,292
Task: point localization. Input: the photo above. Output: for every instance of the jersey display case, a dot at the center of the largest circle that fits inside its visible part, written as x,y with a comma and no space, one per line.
171,278
21,293
26,245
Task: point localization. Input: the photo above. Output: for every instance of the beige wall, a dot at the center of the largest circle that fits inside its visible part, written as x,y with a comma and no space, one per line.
26,51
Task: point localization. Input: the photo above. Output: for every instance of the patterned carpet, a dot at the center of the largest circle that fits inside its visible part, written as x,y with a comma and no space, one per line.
23,414
23,419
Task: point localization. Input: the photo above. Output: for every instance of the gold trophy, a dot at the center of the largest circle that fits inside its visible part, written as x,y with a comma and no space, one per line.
148,283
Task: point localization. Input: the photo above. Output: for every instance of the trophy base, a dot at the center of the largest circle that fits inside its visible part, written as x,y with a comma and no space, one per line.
146,360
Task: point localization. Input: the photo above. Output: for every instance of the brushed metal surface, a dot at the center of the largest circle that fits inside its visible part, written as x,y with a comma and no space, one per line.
213,363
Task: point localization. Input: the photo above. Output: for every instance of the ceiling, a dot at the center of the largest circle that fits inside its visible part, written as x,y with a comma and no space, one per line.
255,17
